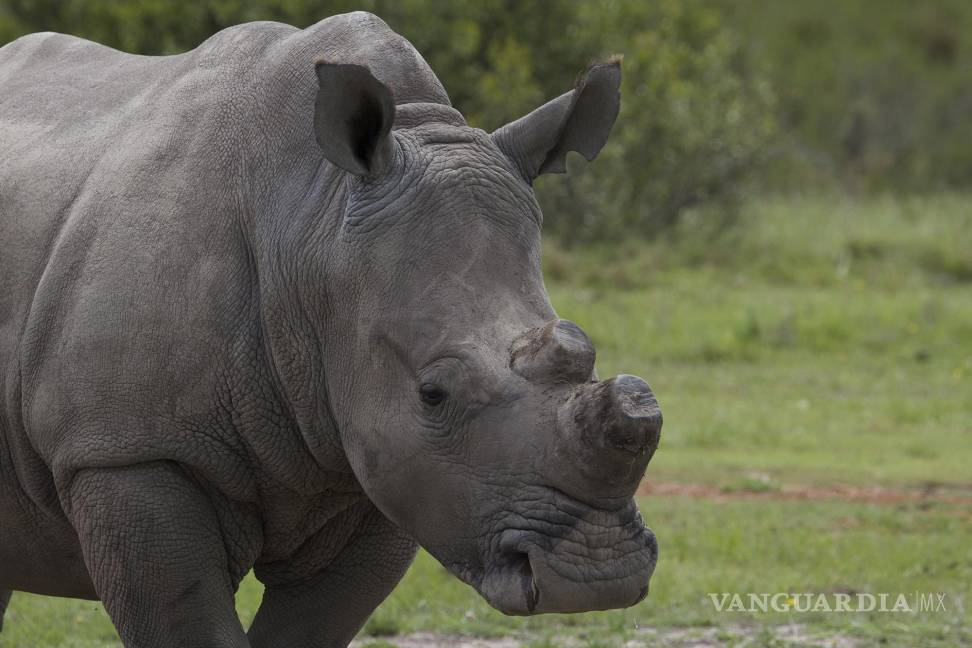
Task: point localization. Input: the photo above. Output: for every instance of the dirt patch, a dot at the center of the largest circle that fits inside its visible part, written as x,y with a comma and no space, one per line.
436,640
867,494
783,635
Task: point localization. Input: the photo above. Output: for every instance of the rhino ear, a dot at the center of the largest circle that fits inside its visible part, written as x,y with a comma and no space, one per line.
579,120
353,118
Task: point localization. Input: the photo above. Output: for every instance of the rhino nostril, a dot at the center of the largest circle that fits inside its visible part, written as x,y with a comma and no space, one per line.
636,435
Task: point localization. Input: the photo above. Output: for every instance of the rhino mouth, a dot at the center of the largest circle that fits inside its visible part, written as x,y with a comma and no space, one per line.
509,584
567,558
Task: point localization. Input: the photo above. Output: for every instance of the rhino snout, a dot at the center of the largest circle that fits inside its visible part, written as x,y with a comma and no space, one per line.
608,567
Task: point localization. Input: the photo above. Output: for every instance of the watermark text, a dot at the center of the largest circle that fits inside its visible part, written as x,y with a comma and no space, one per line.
913,602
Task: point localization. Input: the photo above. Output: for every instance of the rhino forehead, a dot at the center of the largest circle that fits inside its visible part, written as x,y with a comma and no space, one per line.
452,180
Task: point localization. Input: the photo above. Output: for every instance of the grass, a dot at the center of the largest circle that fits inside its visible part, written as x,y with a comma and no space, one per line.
744,546
817,341
774,349
805,384
706,546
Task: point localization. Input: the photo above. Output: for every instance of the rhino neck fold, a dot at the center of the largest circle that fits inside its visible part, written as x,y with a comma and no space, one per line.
408,115
288,242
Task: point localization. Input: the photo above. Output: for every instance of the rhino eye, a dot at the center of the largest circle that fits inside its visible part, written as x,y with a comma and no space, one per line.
432,395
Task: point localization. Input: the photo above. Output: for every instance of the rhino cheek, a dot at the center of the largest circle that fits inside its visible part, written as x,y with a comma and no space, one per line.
408,486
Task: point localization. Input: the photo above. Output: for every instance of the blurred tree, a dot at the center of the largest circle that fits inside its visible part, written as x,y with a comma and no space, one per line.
874,93
695,121
696,118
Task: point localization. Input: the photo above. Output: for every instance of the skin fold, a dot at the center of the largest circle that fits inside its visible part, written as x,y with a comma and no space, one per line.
271,304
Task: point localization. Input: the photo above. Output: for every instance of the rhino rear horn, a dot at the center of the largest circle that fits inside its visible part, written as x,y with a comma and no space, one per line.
353,118
579,120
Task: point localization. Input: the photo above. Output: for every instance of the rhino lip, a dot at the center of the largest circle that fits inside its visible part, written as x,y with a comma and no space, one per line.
524,573
510,585
529,565
513,547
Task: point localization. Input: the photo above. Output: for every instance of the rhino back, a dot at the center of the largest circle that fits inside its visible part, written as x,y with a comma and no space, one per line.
119,250
129,192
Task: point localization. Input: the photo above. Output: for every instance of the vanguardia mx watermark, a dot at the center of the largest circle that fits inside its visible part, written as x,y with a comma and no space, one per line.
913,602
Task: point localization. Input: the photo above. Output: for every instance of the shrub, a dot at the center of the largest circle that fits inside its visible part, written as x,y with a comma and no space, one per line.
695,123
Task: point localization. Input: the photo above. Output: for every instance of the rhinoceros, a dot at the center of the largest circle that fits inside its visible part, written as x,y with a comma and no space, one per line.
272,304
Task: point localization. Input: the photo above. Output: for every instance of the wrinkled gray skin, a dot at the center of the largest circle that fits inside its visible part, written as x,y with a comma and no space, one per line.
257,317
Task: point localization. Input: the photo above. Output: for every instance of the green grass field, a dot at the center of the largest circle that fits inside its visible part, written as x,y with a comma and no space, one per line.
816,342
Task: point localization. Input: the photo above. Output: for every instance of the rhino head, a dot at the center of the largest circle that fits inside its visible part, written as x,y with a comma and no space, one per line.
468,411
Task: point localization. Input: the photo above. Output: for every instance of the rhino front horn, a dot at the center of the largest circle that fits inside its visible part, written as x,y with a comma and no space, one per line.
611,429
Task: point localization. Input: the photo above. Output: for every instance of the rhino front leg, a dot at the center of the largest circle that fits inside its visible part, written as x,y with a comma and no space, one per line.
328,609
4,600
153,547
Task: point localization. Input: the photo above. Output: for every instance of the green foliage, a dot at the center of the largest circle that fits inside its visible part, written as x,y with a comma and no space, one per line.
867,95
696,118
873,93
696,121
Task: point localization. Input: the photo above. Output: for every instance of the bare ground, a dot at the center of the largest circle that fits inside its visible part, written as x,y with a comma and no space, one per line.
783,635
